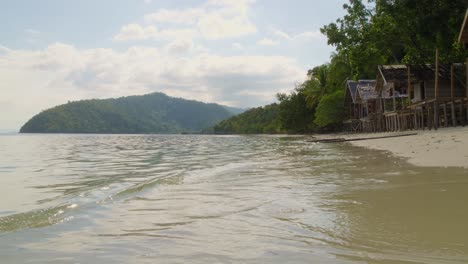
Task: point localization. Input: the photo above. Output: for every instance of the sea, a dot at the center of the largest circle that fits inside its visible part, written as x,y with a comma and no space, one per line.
68,198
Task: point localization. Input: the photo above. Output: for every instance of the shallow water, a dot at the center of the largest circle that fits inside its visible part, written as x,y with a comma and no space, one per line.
208,199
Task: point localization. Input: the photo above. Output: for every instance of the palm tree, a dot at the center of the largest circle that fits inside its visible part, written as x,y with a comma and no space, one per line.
316,86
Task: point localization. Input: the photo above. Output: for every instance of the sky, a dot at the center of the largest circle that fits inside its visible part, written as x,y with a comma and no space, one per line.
239,53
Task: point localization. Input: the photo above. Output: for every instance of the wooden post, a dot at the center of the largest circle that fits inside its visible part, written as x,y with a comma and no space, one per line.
445,114
454,118
429,121
422,121
409,85
462,116
383,105
452,85
436,75
409,94
416,119
452,94
398,122
436,103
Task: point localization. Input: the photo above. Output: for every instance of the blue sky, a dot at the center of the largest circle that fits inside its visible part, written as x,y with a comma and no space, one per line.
234,52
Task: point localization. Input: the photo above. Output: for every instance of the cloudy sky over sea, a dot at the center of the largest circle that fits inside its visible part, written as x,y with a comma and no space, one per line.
233,52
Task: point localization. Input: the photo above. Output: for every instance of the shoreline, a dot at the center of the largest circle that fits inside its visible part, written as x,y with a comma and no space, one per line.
445,147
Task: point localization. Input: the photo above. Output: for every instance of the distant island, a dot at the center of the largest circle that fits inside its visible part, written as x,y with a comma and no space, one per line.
151,113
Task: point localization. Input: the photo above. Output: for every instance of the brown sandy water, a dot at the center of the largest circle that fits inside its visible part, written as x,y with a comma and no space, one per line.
209,199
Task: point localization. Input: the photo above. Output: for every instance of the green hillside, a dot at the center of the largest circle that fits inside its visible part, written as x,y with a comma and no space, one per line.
152,113
261,120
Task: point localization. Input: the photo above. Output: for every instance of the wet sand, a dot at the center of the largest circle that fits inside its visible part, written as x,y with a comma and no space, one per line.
446,147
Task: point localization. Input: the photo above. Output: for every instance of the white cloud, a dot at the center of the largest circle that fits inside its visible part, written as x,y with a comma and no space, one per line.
32,31
235,6
39,79
267,42
180,47
238,46
307,35
137,32
215,26
147,1
187,16
4,49
216,19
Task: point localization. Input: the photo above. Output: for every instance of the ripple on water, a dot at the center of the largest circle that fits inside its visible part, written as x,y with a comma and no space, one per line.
201,199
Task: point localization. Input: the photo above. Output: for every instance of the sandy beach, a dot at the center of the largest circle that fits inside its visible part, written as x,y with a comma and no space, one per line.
446,147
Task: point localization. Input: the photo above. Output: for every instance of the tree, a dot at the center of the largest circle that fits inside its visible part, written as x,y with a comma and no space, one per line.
294,114
316,86
419,27
330,111
351,35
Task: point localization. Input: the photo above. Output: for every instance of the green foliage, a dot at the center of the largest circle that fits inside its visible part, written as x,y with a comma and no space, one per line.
295,116
261,120
330,111
152,113
352,37
316,86
385,32
371,32
417,28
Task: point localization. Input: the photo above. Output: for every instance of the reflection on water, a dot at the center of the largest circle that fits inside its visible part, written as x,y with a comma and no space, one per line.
203,199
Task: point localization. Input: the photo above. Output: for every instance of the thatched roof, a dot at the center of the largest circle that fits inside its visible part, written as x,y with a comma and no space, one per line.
361,90
366,90
351,87
398,74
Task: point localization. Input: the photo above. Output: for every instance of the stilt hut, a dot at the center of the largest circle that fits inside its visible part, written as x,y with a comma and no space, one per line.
392,87
361,105
419,96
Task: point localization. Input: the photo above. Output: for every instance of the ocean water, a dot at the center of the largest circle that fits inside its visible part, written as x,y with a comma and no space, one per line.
223,199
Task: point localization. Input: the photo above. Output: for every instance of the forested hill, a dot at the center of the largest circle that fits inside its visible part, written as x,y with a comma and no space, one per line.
261,120
152,113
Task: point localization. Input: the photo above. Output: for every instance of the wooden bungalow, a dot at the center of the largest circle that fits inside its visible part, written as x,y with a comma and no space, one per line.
361,102
413,95
393,91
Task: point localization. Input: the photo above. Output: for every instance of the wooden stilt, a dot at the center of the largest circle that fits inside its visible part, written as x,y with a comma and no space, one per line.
429,118
397,117
462,116
452,85
454,117
444,107
415,118
436,106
